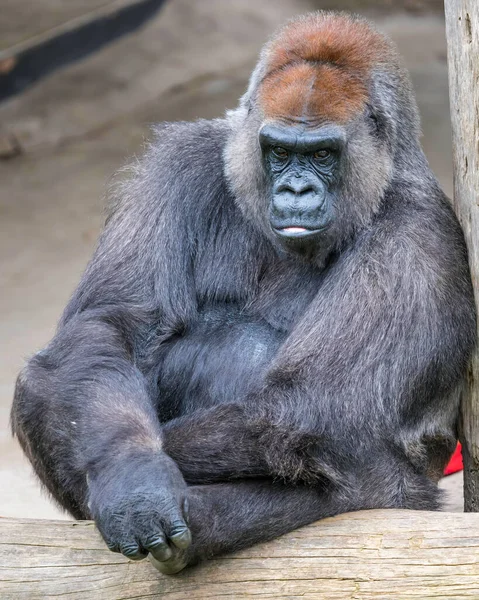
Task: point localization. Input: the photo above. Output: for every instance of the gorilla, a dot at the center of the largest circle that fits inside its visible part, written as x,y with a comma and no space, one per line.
276,323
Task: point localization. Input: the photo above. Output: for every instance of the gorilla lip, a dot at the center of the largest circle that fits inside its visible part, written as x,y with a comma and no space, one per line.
296,231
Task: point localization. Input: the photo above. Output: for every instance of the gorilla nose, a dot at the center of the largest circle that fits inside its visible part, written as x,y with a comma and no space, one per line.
297,199
297,187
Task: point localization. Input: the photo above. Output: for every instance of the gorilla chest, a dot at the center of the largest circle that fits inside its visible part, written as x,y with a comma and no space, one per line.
227,351
219,359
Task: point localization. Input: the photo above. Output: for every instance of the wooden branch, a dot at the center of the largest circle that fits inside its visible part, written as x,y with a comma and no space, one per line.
462,30
377,554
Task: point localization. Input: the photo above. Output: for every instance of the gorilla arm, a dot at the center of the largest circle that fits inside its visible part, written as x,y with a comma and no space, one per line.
83,410
352,395
372,364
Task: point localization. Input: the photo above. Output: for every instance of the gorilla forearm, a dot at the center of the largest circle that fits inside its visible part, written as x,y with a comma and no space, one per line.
83,414
235,441
78,405
205,445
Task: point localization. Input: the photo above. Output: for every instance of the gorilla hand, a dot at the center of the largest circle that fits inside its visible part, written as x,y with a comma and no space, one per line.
139,506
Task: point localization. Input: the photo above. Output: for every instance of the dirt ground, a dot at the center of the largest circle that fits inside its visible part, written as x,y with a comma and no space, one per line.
52,196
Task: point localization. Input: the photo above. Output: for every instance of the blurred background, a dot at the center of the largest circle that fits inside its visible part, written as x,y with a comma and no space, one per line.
80,83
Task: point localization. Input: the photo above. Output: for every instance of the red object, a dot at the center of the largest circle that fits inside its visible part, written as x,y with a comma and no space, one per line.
455,464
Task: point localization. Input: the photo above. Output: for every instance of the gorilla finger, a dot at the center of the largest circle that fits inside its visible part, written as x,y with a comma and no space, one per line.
179,534
169,567
113,546
158,546
133,551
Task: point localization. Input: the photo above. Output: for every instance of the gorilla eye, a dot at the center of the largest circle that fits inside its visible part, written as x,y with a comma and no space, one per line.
321,154
280,153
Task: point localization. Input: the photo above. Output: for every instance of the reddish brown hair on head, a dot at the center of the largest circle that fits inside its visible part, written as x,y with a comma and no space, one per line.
318,67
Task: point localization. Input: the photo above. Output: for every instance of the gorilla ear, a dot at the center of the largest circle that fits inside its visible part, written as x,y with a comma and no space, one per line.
382,108
377,122
392,100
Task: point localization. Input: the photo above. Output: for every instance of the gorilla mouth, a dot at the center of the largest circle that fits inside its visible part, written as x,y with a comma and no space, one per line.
297,231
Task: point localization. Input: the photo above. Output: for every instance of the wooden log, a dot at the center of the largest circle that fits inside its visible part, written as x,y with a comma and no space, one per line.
462,31
377,554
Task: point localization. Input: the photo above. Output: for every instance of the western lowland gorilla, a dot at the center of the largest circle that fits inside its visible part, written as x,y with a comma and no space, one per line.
276,323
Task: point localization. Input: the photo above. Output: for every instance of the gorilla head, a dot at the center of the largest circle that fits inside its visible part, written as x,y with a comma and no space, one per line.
321,111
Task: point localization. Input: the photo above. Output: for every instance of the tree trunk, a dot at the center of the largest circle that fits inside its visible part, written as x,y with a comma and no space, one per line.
462,30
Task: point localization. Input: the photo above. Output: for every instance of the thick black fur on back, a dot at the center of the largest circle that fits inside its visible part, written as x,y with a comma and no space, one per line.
200,363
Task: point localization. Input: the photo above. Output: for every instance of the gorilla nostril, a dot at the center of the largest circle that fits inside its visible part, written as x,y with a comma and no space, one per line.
307,190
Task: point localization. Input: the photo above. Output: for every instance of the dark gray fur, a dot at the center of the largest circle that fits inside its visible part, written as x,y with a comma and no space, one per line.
285,389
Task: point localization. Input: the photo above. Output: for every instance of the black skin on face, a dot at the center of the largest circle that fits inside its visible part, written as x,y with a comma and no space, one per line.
305,167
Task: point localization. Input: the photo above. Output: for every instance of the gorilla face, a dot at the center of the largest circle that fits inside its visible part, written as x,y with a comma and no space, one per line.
304,166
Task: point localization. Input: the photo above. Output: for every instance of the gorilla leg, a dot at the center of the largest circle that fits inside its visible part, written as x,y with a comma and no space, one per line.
227,517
